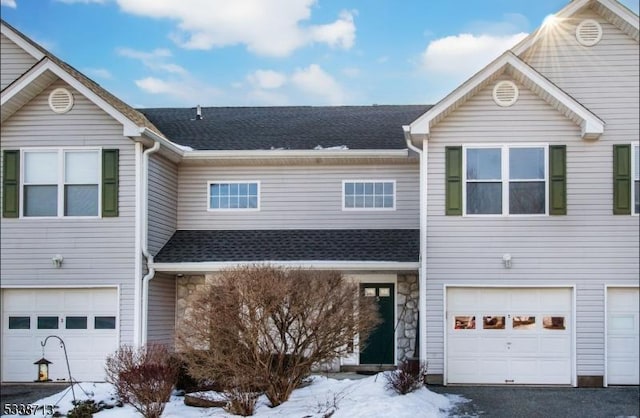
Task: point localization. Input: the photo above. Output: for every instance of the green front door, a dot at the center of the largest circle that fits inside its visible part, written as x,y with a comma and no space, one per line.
379,347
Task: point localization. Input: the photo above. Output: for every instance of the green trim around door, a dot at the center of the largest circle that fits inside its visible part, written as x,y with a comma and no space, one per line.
379,348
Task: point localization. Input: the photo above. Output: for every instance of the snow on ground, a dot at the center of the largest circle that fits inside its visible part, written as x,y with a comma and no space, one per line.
366,397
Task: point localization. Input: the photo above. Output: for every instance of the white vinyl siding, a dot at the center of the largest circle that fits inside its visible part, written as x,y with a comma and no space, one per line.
161,319
587,247
297,197
96,251
15,61
163,201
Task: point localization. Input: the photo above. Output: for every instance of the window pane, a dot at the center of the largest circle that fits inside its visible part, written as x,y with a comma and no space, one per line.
19,322
224,190
379,188
359,201
553,322
349,188
484,198
81,200
233,201
104,322
224,202
40,200
233,189
378,201
636,164
526,198
215,203
47,322
368,188
76,322
349,201
524,322
253,202
388,201
41,167
243,189
215,190
243,202
526,163
253,189
465,322
368,201
81,167
493,322
388,188
359,188
484,164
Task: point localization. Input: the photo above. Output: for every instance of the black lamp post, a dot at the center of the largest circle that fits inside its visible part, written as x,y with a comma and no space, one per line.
43,370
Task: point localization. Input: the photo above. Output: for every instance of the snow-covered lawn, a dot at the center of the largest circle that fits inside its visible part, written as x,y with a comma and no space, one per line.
366,397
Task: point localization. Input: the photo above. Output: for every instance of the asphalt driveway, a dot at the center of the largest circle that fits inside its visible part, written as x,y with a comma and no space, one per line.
526,402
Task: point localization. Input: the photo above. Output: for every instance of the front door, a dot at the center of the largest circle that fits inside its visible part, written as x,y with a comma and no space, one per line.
378,349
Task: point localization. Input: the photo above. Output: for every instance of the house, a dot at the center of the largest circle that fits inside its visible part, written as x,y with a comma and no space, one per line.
498,229
530,224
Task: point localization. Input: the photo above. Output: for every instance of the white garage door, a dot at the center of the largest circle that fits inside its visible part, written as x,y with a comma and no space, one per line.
623,328
86,319
509,336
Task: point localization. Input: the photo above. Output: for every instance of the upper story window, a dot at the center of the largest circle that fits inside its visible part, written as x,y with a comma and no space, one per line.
505,180
234,195
636,179
61,182
359,194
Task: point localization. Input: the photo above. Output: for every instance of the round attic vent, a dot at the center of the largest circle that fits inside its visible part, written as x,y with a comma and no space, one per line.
505,93
588,32
60,100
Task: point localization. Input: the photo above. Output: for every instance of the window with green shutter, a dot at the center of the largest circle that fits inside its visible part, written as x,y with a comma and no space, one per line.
110,167
557,180
453,169
622,179
11,184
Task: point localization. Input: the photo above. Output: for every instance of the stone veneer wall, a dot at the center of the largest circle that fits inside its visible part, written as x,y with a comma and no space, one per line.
406,308
407,315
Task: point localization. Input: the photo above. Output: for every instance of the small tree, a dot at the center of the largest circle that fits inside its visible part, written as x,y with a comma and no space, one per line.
143,377
263,328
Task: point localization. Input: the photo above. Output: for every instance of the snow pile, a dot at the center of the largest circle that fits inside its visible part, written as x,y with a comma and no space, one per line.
366,397
336,148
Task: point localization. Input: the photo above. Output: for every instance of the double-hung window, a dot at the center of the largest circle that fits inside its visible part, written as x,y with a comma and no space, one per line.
234,195
505,180
378,194
61,182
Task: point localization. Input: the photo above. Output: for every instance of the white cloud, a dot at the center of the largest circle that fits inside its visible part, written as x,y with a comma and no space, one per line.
265,27
155,60
9,3
98,72
460,56
181,91
267,79
351,72
315,81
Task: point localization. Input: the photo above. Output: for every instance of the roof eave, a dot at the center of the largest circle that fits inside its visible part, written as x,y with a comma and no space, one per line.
203,267
292,154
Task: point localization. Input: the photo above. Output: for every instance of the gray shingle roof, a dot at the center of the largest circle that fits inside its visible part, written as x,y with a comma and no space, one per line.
397,245
296,128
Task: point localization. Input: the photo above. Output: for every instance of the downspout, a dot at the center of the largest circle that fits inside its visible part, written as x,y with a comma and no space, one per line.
145,238
422,276
138,248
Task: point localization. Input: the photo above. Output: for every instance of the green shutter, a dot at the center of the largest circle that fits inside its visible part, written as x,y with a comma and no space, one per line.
110,158
557,180
11,184
453,169
622,179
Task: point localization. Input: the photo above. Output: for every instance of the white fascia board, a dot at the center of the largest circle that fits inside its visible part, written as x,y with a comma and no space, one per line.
172,146
622,12
21,42
129,128
592,126
279,154
312,265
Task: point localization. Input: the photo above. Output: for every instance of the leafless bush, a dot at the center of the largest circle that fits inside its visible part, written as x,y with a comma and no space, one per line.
264,328
407,378
143,377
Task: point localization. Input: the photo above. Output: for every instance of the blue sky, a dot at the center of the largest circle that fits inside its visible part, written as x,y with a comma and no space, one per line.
179,53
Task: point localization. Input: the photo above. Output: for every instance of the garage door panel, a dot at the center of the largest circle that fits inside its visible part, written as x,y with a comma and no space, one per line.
522,335
623,336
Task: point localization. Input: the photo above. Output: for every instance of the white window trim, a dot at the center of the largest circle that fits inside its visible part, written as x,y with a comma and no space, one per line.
60,181
505,179
256,209
635,149
346,209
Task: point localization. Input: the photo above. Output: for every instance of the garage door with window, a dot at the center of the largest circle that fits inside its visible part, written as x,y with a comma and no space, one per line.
86,319
509,335
623,329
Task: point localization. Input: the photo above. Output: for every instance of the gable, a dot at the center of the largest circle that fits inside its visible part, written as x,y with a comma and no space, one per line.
14,61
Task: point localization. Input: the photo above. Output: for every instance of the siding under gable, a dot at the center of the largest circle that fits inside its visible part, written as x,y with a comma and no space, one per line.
95,251
587,248
14,61
298,197
163,201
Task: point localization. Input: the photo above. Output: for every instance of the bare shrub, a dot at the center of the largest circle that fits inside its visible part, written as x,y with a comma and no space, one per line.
407,378
143,377
263,328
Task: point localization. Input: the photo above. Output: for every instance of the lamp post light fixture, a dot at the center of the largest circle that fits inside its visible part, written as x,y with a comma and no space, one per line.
43,370
57,260
506,260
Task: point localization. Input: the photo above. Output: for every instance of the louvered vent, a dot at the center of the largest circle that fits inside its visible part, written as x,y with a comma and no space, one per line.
61,100
589,32
505,93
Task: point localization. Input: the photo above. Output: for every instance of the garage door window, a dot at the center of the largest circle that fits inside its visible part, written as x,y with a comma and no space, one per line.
76,322
465,322
493,322
524,322
47,322
553,322
105,322
19,322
